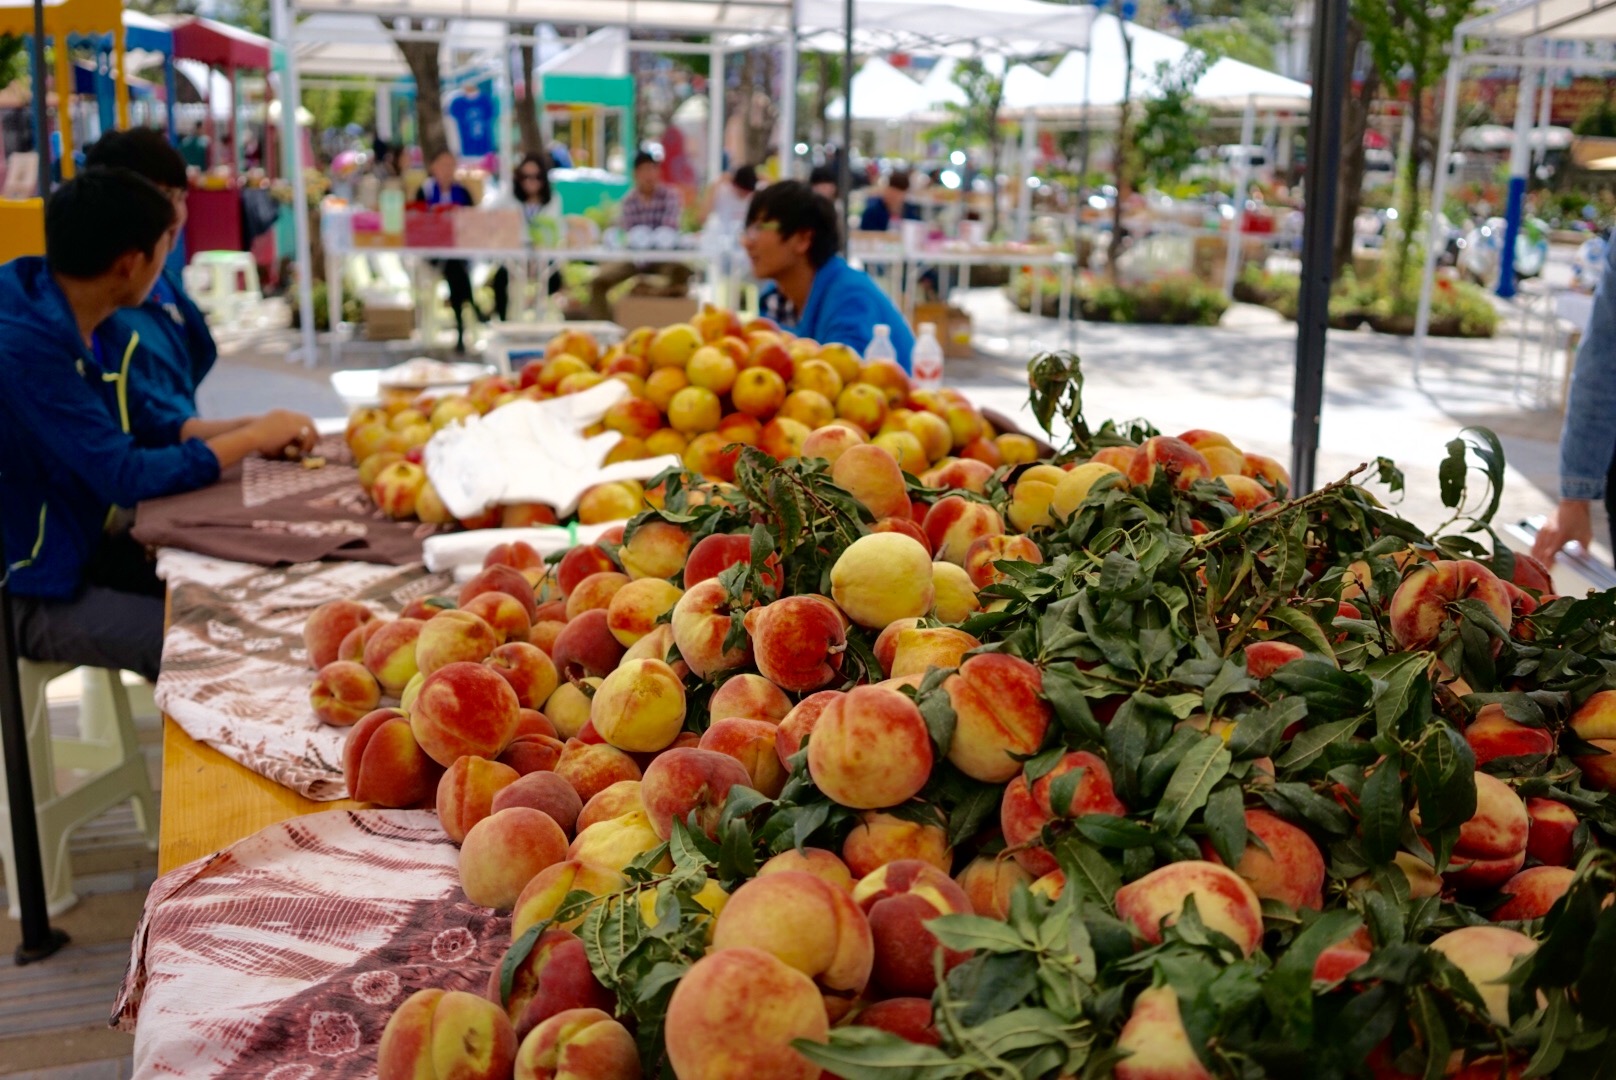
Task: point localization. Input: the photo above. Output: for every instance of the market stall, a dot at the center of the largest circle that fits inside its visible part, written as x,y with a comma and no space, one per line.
146,41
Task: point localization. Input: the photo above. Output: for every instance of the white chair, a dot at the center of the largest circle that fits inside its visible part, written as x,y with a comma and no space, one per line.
222,283
107,746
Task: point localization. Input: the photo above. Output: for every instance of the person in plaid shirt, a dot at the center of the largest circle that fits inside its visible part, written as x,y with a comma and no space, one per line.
652,204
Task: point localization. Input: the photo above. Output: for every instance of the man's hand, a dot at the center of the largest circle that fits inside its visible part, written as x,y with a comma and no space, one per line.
1571,520
281,429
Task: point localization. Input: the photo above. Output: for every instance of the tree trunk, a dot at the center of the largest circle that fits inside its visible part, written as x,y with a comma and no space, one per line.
824,78
1354,124
1409,215
422,58
527,99
755,107
1123,166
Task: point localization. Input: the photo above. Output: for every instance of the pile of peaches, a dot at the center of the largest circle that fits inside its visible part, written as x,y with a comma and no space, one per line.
571,721
700,390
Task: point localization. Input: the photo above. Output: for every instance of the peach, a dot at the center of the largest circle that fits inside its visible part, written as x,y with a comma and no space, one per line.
782,438
327,626
608,502
1493,735
1016,449
1492,845
886,642
1338,961
750,742
909,1018
616,842
1281,862
1000,715
343,693
1259,467
466,793
1263,658
1226,461
1596,718
758,392
701,622
655,646
800,722
874,478
804,921
863,405
871,749
1223,900
353,646
586,647
989,882
960,474
578,1044
822,864
905,449
527,669
535,753
899,899
464,708
1118,457
593,767
1552,830
657,549
1420,605
547,893
918,650
1485,954
904,526
506,850
984,450
735,1014
831,441
621,798
819,376
579,563
1074,487
770,355
888,378
1245,493
1031,504
955,594
1155,1041
454,637
397,487
932,432
750,697
714,554
683,782
569,706
663,384
636,608
881,578
1532,893
673,346
594,592
964,423
798,641
983,555
390,654
383,764
640,707
880,838
955,523
1421,879
501,579
1025,809
505,615
438,1033
633,416
544,791
551,977
809,408
1182,463
1599,770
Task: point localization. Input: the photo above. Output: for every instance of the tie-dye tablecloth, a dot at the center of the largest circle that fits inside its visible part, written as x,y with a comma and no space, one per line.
282,957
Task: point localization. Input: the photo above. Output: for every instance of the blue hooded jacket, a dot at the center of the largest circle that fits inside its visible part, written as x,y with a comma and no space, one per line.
845,305
71,450
176,351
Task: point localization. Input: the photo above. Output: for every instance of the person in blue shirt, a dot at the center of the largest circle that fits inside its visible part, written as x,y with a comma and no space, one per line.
889,204
70,462
442,189
1588,440
792,237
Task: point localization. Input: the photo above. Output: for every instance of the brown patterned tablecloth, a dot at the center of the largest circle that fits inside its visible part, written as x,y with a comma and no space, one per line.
282,957
277,512
235,674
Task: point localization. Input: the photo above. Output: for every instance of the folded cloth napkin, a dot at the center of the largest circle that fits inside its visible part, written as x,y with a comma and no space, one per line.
455,552
532,452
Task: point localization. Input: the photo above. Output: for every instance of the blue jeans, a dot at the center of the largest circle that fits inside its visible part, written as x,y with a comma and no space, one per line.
1588,442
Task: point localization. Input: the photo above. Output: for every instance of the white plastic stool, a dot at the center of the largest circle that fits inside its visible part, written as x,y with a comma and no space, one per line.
107,744
221,282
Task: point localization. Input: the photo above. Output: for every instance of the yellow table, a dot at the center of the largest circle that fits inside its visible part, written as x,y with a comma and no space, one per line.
210,802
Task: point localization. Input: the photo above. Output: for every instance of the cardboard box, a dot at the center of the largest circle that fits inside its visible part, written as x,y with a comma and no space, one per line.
953,328
633,312
389,319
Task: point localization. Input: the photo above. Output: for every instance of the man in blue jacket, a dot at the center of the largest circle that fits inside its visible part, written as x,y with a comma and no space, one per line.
791,236
70,461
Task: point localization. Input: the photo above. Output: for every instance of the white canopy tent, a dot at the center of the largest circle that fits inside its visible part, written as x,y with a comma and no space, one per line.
881,92
1515,34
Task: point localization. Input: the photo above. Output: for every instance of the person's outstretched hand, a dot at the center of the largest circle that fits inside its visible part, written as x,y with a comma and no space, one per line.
280,429
1571,520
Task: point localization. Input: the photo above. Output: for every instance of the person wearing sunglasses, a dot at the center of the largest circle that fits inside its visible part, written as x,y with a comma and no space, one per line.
792,237
530,185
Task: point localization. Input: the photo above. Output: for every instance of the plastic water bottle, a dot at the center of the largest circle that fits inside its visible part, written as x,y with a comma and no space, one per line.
880,347
928,359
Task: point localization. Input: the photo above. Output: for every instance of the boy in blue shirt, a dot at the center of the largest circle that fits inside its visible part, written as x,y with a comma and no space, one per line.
70,461
791,237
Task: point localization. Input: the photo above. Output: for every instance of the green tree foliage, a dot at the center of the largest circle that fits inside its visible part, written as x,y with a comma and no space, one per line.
1171,125
13,58
976,123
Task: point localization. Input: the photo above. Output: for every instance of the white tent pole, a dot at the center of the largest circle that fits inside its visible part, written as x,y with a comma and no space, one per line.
715,115
281,19
1439,189
1242,178
1520,166
1545,114
507,116
1029,153
384,111
788,102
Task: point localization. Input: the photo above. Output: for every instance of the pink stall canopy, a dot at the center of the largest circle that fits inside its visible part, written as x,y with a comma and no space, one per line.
229,49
